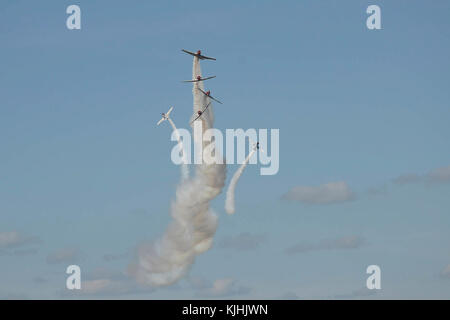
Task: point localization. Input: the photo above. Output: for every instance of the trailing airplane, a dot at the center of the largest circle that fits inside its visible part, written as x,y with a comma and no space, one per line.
165,116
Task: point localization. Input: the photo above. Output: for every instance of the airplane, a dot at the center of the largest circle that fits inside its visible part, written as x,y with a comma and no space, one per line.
208,94
256,146
198,79
165,116
199,113
198,54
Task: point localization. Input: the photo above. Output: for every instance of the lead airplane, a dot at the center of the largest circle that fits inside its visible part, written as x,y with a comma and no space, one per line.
165,116
208,94
198,54
198,79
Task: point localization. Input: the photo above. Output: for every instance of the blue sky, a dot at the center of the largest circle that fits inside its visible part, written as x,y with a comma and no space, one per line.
84,171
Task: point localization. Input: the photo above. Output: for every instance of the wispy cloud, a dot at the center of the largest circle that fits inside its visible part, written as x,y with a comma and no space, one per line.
348,242
113,257
19,252
226,287
435,176
107,283
329,193
13,243
445,273
14,239
362,292
243,241
439,175
64,255
219,288
407,179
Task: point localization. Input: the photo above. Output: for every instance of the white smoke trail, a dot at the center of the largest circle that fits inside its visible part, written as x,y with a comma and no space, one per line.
229,201
200,100
184,166
193,223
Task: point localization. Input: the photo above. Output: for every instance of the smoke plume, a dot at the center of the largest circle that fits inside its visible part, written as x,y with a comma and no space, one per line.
229,201
193,223
184,166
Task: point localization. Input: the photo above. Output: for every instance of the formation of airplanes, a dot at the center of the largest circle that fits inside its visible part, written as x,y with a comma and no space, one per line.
165,116
198,55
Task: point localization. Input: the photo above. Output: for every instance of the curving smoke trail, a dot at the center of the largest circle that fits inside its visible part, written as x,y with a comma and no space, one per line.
229,201
193,222
184,166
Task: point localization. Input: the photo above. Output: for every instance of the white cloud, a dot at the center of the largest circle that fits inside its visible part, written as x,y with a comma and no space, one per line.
13,239
109,287
445,273
65,255
437,175
13,243
9,239
347,242
332,192
226,287
222,287
95,286
407,179
218,288
105,282
18,252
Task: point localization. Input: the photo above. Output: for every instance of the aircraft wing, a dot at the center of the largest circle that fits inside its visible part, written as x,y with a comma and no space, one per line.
215,100
188,52
168,112
206,107
208,58
203,79
202,113
196,118
159,122
209,96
